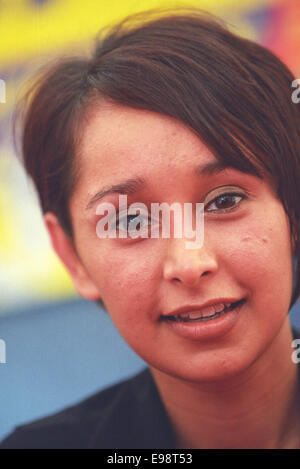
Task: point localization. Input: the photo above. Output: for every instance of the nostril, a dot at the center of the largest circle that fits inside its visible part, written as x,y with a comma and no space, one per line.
205,273
177,279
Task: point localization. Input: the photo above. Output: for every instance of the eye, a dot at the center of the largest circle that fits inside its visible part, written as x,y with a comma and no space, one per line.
225,202
133,224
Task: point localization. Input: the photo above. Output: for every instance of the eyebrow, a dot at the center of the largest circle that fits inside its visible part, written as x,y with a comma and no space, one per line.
135,185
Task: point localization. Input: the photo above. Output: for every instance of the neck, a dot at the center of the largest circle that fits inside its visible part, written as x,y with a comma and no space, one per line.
256,409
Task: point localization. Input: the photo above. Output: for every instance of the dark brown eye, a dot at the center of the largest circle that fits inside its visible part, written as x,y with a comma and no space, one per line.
226,201
124,222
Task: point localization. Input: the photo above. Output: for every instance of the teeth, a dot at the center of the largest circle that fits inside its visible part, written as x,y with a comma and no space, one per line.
205,312
220,307
184,315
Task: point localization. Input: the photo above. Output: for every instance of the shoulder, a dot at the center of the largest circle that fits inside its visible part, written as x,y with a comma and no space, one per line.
90,422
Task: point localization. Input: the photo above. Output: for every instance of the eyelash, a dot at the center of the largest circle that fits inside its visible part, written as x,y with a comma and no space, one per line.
226,194
118,220
225,210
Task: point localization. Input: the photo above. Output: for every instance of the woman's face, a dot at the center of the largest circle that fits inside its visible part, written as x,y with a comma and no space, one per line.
246,252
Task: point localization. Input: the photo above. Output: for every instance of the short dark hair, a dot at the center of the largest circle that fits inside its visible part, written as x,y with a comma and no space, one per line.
233,93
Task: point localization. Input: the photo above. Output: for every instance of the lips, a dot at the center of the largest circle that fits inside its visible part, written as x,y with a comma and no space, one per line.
210,310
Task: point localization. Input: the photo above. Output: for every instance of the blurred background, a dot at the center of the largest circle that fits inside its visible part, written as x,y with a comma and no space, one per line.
60,348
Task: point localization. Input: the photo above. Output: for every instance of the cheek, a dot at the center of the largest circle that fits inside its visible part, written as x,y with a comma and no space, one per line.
129,281
258,255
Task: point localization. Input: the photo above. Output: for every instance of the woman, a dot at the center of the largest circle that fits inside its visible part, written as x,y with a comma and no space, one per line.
176,109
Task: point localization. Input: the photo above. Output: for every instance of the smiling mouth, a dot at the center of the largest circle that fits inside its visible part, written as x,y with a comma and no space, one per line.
202,318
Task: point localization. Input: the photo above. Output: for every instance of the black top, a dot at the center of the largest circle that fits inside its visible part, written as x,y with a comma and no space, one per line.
129,414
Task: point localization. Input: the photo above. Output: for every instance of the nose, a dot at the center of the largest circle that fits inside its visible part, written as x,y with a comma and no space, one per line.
187,266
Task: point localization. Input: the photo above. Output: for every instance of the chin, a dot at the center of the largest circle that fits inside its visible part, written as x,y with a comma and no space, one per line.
212,369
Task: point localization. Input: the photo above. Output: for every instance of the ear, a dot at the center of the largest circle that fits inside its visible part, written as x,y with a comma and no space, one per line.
65,249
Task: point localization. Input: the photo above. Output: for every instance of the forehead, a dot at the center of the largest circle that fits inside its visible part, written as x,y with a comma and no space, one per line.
116,138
